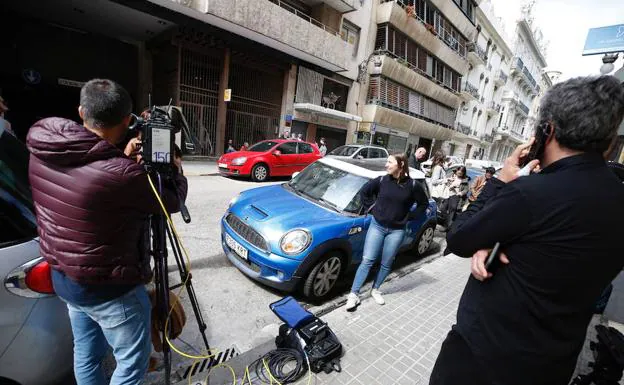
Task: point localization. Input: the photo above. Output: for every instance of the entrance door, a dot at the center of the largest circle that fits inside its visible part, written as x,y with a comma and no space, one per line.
426,143
334,137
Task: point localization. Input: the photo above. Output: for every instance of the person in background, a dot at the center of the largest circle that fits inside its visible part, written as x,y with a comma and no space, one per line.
479,183
230,147
457,186
4,124
523,320
417,158
391,197
300,137
323,147
438,175
244,147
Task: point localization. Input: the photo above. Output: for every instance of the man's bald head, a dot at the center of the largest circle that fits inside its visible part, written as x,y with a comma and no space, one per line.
420,153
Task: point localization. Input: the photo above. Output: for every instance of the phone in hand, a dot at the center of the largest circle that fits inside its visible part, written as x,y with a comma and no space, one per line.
537,148
492,257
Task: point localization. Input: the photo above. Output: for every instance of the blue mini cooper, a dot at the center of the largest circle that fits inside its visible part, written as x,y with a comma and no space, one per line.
307,232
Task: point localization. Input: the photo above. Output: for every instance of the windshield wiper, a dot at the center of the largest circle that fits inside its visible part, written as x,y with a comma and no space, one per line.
330,204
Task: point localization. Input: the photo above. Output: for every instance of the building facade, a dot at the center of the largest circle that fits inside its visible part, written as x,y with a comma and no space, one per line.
523,92
411,80
482,90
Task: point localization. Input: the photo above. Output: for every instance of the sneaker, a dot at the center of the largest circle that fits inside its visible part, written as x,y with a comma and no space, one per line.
352,301
376,294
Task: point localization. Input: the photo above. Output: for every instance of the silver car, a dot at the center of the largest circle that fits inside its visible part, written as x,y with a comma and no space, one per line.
357,151
35,334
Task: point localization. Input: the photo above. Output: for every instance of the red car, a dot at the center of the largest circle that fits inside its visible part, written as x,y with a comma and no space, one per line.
277,157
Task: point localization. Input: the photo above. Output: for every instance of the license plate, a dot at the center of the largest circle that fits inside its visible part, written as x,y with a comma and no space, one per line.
236,247
223,165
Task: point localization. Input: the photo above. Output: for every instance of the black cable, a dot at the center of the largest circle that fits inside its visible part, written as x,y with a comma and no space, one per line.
277,360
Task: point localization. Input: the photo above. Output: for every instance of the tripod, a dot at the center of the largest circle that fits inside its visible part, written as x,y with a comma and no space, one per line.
161,231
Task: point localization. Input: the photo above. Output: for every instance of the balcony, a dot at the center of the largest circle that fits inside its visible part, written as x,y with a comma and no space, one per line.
523,107
487,138
275,24
524,75
342,6
476,54
469,91
439,41
388,117
462,128
493,108
501,78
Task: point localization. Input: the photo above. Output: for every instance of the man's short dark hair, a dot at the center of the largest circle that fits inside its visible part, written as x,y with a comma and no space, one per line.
490,170
585,112
105,103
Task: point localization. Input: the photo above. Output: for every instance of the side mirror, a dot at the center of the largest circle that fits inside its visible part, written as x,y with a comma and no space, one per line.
294,175
277,153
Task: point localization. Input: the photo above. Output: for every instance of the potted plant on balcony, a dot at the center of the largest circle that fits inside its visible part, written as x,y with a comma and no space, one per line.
410,10
430,28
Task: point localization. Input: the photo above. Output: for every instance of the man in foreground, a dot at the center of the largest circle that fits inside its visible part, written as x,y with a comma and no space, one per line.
92,202
523,320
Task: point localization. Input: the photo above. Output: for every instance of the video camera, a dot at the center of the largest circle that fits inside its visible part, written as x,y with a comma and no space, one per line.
158,127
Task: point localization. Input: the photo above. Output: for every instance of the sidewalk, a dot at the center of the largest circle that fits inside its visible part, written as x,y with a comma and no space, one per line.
399,342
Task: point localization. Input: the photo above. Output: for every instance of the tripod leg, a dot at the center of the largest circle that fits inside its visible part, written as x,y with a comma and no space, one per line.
185,276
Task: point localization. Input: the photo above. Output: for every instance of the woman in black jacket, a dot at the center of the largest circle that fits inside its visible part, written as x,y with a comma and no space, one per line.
392,197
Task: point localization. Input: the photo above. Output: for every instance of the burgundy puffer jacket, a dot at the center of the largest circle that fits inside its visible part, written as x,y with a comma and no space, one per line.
91,203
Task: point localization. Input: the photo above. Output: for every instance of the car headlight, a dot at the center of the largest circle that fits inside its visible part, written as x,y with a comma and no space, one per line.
295,241
239,161
232,201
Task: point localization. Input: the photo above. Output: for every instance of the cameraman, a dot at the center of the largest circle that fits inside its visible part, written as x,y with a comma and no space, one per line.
524,321
92,202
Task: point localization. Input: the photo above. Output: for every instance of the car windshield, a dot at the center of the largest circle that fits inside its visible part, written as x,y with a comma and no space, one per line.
263,146
17,218
336,188
344,151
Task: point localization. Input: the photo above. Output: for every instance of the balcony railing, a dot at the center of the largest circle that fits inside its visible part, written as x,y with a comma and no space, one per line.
304,16
476,48
442,34
502,76
487,138
469,88
492,105
523,107
464,129
519,66
517,135
529,77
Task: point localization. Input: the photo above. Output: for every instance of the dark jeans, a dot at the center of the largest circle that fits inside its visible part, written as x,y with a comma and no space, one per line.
456,365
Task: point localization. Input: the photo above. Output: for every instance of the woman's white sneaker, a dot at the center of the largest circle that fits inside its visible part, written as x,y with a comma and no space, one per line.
376,294
352,301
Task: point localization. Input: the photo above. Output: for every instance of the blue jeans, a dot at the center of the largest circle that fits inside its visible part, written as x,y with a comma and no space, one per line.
124,324
379,240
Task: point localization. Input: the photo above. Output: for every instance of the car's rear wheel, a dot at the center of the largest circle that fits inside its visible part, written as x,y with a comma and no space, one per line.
323,277
260,172
424,240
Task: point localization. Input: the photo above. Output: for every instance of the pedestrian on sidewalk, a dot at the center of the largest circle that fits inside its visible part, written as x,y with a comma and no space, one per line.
457,191
479,183
523,320
391,197
416,159
92,203
323,147
244,147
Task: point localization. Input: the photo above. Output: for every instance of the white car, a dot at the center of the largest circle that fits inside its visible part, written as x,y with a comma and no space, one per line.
453,161
355,151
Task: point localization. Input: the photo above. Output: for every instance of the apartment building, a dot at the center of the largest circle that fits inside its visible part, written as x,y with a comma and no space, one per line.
413,75
523,92
482,89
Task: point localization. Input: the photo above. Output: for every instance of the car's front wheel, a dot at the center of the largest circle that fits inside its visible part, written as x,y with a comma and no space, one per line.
425,239
323,277
260,173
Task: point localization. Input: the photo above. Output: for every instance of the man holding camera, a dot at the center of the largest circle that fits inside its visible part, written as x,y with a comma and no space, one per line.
523,319
92,201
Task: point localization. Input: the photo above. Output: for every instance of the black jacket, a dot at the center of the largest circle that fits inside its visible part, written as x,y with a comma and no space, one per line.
393,200
561,230
413,162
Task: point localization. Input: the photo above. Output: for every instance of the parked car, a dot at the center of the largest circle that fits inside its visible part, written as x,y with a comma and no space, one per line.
307,232
452,161
269,158
35,335
359,152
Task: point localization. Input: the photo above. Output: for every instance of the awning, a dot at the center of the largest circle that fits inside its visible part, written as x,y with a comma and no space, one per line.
313,108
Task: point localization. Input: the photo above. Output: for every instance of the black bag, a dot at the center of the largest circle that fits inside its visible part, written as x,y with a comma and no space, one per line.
316,341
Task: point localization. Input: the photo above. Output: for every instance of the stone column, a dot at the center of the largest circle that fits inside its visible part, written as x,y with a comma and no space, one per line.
288,95
222,104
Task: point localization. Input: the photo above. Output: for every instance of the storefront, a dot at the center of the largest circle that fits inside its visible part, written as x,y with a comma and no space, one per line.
394,141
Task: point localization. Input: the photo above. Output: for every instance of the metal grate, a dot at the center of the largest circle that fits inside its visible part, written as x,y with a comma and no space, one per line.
246,232
199,85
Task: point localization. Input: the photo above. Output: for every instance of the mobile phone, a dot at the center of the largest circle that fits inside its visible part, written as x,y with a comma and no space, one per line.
537,148
492,257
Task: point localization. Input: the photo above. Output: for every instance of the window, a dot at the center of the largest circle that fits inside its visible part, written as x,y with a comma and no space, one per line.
351,34
376,153
363,154
430,66
289,148
305,148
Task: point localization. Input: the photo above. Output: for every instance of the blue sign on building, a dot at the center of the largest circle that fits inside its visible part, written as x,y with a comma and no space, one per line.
604,40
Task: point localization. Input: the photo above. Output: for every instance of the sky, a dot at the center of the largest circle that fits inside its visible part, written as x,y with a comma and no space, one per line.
565,24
